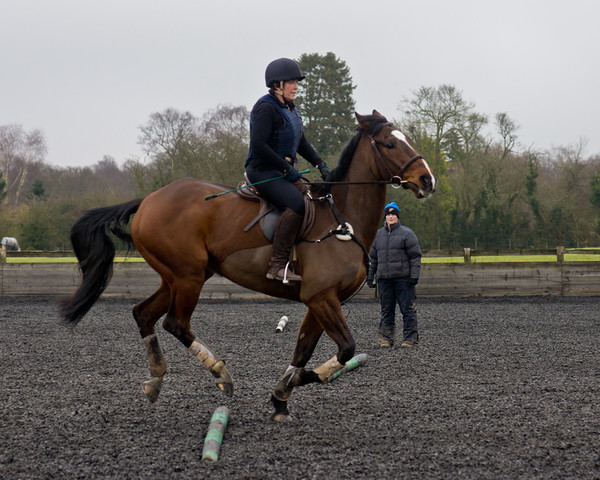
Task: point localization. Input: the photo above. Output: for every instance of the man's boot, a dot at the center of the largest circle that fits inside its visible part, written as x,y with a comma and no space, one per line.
283,241
386,336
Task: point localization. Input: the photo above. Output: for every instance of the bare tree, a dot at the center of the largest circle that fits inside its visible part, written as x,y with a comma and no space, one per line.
225,132
443,115
507,129
19,150
172,142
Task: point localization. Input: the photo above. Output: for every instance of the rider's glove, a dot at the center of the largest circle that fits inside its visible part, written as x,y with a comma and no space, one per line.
291,174
324,169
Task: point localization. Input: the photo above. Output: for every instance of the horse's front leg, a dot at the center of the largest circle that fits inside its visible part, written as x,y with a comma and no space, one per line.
296,377
216,366
331,320
308,336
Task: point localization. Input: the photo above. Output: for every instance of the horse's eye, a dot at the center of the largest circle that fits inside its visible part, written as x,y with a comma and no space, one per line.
389,146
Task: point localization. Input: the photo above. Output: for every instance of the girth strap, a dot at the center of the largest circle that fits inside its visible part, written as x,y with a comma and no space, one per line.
344,230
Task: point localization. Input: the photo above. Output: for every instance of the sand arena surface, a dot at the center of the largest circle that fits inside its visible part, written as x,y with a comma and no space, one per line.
499,388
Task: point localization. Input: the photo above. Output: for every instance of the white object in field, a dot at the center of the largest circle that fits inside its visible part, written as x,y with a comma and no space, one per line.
282,323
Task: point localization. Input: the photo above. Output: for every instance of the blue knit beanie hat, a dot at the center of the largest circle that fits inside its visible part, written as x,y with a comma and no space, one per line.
392,207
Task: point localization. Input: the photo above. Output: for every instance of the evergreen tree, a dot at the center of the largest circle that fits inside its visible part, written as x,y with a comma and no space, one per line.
38,190
326,103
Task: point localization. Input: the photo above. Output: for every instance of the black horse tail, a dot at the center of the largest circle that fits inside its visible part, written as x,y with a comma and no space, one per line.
95,252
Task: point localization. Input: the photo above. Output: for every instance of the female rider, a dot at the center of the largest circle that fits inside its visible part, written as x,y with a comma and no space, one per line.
276,136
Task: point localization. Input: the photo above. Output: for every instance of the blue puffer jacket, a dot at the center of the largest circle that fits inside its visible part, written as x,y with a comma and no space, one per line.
395,253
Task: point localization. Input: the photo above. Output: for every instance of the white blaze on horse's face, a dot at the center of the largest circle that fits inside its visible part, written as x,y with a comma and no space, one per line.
400,136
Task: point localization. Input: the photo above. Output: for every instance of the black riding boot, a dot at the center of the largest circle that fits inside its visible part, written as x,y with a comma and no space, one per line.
283,241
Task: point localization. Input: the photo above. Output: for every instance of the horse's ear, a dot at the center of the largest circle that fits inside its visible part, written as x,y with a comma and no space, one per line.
363,121
377,114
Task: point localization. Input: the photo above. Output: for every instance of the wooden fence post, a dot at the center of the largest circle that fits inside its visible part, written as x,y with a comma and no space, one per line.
467,254
560,254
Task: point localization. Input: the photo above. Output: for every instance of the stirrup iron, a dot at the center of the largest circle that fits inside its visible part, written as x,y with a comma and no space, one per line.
285,271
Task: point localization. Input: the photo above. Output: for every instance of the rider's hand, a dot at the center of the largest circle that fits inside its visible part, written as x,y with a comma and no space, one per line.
324,169
291,174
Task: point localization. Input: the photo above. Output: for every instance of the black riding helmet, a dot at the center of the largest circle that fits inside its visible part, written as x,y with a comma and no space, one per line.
282,70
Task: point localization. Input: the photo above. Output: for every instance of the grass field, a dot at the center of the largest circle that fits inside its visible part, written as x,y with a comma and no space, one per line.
569,257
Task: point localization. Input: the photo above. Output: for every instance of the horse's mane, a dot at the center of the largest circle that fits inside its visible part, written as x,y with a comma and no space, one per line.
375,124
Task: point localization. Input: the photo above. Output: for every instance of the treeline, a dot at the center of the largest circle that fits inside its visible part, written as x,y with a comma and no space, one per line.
492,193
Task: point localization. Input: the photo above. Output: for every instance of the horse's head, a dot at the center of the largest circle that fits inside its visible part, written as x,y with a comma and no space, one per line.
396,156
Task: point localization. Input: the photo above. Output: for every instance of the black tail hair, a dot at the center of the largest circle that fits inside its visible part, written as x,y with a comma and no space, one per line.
95,252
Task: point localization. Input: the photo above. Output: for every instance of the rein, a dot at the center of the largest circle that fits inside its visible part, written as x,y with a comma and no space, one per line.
395,180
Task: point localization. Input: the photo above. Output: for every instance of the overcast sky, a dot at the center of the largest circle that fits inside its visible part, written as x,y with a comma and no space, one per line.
89,73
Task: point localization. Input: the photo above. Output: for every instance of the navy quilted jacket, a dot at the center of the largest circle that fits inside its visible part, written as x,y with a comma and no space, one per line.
395,253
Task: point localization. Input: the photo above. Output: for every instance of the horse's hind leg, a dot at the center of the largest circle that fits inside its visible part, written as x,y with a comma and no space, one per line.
146,315
184,298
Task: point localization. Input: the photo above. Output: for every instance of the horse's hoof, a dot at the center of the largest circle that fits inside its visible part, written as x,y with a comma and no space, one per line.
152,388
224,380
282,414
281,418
226,388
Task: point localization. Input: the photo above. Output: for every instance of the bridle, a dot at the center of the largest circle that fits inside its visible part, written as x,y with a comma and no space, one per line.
396,181
384,160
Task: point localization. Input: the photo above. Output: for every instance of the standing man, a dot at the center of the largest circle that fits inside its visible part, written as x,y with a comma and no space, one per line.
395,259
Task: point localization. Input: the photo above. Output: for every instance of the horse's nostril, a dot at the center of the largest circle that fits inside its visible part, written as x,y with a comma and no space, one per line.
428,182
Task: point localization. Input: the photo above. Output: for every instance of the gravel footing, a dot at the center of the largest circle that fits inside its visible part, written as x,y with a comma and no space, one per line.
503,387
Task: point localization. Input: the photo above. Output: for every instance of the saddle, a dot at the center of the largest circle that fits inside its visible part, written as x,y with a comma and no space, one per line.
268,214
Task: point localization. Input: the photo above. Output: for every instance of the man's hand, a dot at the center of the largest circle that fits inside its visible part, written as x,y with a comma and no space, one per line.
371,282
413,281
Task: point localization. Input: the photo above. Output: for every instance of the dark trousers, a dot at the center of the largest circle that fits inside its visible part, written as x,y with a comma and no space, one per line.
398,291
281,193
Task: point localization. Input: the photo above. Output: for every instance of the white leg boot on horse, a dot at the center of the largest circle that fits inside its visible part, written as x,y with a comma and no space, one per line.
283,241
215,366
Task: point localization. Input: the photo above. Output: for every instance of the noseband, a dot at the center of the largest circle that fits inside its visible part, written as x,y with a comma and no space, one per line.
384,162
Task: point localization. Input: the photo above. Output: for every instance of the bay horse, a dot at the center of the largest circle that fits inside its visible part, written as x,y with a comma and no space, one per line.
187,239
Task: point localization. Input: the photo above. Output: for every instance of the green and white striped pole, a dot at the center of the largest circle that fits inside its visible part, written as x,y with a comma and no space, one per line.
214,436
355,362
